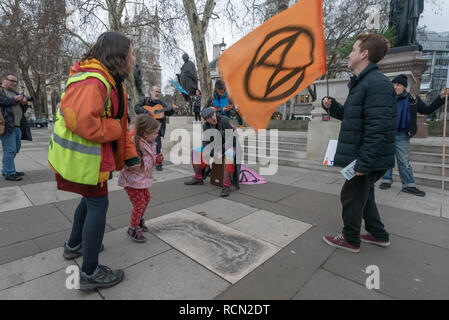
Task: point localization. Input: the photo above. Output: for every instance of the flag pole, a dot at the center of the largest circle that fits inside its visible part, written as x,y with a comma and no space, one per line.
327,88
444,158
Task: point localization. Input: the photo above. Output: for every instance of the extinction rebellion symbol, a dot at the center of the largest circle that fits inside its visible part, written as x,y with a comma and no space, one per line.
280,64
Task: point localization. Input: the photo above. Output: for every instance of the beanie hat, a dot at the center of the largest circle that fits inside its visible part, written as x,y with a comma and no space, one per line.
207,112
401,79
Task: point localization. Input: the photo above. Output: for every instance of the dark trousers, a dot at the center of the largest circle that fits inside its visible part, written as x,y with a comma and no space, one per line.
197,116
88,227
158,143
358,202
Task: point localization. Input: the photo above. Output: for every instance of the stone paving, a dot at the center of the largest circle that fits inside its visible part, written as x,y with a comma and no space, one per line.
263,242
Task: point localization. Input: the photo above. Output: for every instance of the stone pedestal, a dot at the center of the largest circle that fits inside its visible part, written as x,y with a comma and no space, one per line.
408,61
423,128
320,132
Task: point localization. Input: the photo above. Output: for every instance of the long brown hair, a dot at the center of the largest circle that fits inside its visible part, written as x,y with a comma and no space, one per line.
144,124
112,49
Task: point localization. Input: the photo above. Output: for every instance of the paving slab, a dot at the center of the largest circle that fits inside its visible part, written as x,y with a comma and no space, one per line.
121,252
179,204
29,223
174,190
27,163
271,191
49,287
327,286
170,275
46,192
408,269
229,253
282,276
222,210
271,227
416,226
18,251
57,239
13,198
20,271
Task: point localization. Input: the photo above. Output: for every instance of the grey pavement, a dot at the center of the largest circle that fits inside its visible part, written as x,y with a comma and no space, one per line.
263,242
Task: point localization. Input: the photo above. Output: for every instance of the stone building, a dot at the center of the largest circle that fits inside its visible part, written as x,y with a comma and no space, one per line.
147,47
436,51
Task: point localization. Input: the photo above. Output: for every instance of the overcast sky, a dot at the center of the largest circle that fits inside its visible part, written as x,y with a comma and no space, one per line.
438,22
434,18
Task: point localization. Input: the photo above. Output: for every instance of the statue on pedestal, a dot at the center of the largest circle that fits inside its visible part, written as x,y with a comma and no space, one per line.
188,78
404,17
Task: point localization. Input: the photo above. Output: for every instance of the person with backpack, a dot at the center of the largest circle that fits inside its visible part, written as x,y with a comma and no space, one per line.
91,140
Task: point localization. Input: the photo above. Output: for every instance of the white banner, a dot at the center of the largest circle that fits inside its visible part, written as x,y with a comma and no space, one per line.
330,153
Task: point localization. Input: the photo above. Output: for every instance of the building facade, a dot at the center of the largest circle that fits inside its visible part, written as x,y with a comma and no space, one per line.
436,50
147,47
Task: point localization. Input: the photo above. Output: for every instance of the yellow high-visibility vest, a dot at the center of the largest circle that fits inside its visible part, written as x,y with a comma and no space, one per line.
74,158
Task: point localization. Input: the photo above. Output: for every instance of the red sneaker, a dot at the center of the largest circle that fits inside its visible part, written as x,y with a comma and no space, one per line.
339,242
369,238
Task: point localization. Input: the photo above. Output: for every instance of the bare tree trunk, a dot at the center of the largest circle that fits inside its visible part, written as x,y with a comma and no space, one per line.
198,30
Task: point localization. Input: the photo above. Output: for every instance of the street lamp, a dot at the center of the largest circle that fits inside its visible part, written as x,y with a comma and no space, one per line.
222,46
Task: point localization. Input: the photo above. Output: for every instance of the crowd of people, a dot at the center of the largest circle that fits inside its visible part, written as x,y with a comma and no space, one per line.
92,138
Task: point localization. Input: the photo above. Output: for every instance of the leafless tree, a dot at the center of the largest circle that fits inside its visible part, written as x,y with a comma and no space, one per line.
32,38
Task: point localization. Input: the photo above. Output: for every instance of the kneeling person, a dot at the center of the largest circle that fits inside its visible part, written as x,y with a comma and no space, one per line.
199,161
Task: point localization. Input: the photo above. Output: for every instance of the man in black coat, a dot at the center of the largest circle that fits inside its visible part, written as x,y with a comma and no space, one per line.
151,101
13,107
367,136
218,127
408,107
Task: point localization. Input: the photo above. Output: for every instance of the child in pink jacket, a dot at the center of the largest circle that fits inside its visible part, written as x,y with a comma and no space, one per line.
138,179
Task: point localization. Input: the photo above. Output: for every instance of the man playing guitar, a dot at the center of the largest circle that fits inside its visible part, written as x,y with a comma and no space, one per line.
155,107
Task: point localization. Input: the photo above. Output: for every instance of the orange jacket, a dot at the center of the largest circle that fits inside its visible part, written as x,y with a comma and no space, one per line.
83,106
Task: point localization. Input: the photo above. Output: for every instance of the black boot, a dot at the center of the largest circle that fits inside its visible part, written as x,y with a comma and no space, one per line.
194,181
225,191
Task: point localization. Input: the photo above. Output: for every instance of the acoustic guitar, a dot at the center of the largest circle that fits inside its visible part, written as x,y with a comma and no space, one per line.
157,111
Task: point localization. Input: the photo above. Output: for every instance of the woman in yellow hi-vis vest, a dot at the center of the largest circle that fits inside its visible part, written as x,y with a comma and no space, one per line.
90,140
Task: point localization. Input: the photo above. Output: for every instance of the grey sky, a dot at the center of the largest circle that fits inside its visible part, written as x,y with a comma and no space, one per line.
435,21
438,22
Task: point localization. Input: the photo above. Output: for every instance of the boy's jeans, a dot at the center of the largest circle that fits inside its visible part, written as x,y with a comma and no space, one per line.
403,160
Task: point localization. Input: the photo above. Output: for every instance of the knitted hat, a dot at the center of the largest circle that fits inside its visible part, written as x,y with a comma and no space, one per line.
207,112
401,79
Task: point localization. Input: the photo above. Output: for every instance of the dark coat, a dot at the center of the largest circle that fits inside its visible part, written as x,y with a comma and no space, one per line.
197,104
223,124
368,129
138,108
416,106
6,105
188,78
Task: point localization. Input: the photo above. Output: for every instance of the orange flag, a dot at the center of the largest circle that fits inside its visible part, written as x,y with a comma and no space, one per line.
276,61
